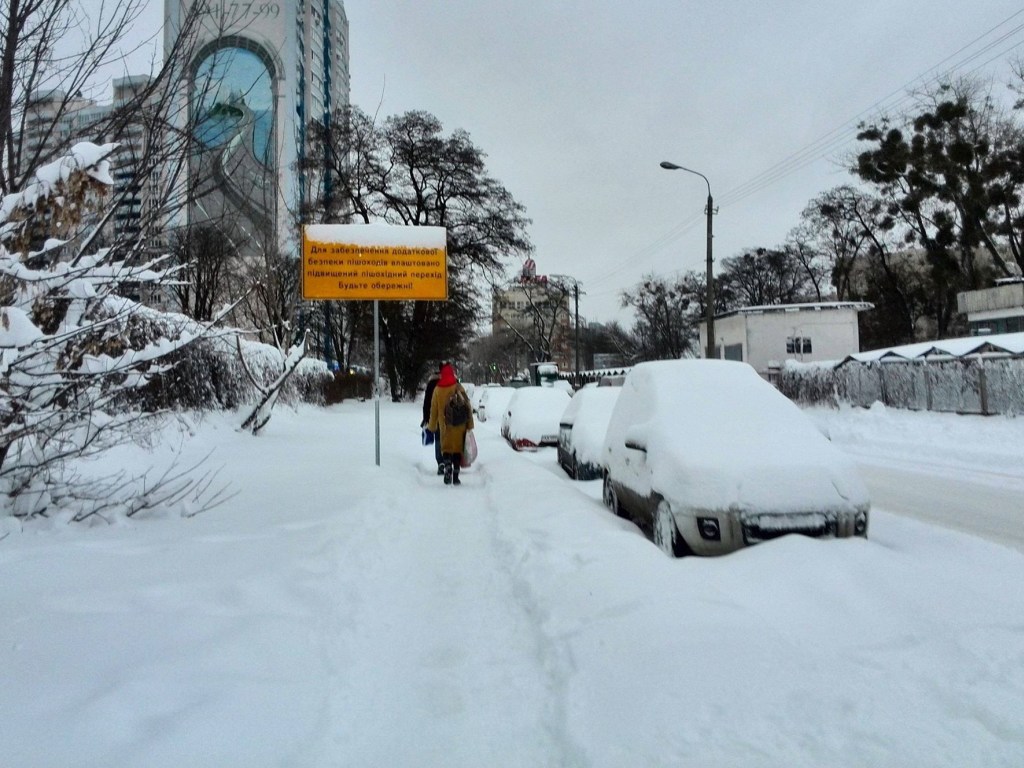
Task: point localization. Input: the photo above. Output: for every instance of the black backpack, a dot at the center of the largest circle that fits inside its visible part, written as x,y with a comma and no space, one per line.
457,409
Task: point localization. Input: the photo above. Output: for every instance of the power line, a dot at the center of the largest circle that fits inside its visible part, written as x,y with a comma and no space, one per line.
833,140
838,136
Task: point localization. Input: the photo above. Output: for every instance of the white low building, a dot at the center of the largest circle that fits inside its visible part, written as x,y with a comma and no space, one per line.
999,309
766,336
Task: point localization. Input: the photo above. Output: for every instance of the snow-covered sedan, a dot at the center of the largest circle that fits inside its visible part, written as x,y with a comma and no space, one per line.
706,457
493,401
581,431
531,417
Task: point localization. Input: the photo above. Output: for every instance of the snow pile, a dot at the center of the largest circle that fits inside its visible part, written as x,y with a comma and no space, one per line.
85,157
377,235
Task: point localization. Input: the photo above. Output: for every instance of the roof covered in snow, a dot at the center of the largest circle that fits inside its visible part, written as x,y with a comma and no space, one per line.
994,344
819,306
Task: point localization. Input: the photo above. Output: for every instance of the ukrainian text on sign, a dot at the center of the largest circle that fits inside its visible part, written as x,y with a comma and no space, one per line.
363,271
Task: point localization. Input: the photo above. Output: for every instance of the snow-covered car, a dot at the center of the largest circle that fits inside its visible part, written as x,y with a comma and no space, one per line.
478,392
707,457
581,431
563,385
493,401
531,417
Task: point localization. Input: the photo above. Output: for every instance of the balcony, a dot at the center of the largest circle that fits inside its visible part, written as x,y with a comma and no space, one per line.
1002,297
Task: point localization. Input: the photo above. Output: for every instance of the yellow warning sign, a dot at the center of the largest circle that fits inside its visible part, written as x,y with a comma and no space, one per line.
369,262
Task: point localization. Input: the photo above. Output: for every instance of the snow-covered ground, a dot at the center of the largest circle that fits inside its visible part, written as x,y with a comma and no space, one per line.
337,613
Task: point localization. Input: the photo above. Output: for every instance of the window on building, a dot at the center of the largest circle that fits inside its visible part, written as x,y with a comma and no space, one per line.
733,352
797,345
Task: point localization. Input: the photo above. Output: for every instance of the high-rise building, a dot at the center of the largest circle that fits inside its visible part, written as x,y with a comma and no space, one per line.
258,73
55,121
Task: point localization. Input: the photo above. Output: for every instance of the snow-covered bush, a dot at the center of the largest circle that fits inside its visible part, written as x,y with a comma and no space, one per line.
74,354
210,373
808,383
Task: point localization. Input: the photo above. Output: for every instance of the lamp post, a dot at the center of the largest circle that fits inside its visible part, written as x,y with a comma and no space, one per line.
711,285
576,343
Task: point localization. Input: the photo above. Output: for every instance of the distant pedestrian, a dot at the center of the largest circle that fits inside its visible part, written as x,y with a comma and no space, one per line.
451,415
428,393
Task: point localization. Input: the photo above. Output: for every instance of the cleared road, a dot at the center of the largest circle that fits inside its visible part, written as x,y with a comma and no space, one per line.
962,472
990,505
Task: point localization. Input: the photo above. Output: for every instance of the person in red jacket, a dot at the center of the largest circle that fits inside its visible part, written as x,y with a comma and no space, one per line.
452,436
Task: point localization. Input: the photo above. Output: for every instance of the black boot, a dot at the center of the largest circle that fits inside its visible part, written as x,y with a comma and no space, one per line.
455,473
447,473
440,469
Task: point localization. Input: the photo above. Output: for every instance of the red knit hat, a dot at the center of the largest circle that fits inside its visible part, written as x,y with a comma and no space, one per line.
447,376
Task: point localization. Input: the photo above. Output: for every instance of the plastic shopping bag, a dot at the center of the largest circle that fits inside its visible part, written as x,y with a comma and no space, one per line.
427,436
469,451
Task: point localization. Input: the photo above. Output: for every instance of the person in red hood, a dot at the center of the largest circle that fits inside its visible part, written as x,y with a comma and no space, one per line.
452,436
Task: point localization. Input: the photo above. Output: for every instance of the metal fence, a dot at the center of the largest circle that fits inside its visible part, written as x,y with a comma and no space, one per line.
978,384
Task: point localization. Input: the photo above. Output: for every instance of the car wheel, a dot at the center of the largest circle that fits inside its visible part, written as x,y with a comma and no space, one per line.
611,498
666,534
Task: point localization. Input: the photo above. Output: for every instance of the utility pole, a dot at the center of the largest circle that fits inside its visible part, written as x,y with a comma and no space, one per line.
576,296
576,373
711,282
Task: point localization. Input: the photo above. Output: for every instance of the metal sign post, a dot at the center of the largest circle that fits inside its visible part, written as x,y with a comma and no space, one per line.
376,380
361,262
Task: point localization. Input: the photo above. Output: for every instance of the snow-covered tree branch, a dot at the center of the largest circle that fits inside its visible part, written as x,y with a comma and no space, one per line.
74,353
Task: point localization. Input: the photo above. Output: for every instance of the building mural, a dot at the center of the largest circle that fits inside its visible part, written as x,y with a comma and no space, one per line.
235,168
259,71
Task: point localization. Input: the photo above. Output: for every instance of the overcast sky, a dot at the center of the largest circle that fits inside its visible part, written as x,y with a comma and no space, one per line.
577,103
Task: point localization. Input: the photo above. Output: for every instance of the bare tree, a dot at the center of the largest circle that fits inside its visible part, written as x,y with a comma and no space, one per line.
838,240
611,338
764,276
539,325
207,255
665,327
950,176
873,264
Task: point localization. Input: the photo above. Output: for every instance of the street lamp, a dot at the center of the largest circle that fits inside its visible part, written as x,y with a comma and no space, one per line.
711,285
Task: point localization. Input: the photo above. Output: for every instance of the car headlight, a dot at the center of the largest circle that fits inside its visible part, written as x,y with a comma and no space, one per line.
709,528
